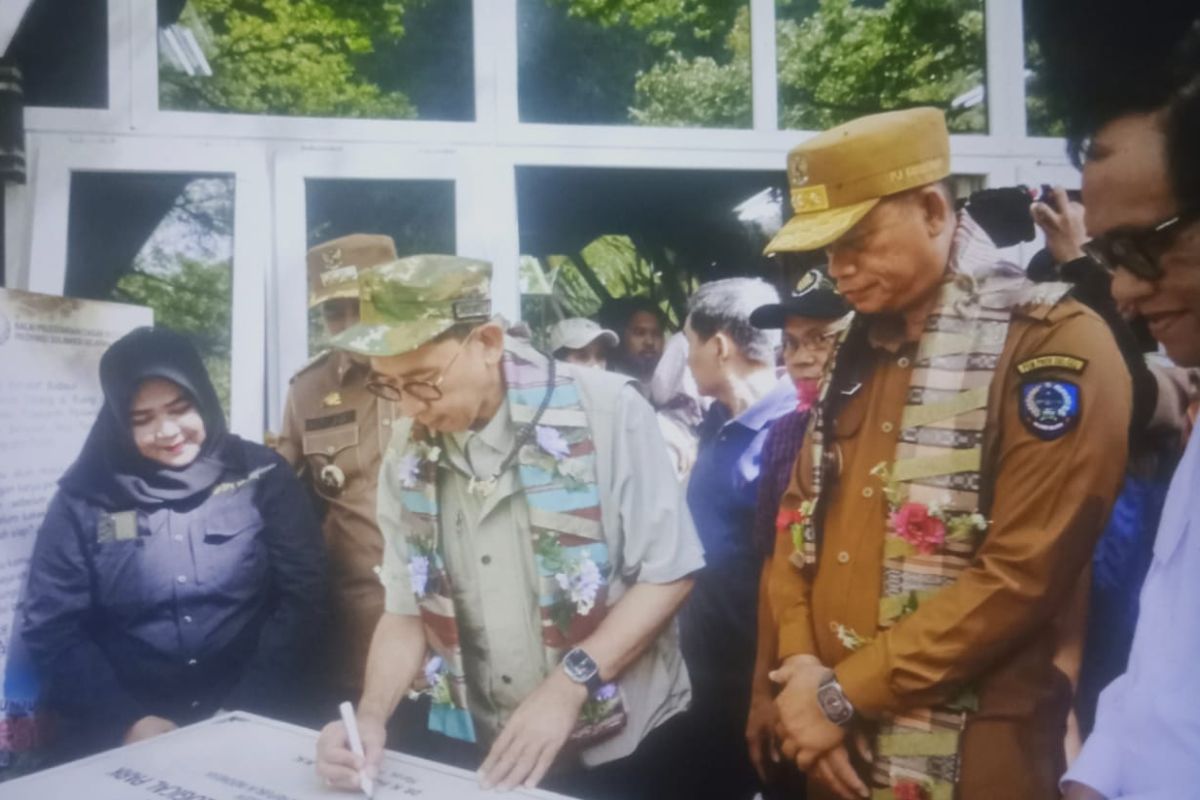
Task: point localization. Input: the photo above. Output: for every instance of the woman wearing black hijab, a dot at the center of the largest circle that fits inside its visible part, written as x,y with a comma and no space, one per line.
179,569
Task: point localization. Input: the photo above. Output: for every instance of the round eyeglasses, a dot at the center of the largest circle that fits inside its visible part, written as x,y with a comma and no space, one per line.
423,391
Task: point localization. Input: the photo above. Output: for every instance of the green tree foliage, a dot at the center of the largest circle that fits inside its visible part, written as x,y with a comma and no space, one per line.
193,298
846,59
561,290
305,57
837,59
700,90
666,23
1039,119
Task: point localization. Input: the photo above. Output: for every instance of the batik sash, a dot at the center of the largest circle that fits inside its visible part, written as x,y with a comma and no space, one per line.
557,475
935,488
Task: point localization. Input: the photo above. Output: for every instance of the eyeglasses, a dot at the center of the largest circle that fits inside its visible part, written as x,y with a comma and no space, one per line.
426,392
1137,251
817,340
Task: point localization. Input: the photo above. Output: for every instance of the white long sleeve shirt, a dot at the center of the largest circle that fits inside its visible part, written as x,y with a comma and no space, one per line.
1146,743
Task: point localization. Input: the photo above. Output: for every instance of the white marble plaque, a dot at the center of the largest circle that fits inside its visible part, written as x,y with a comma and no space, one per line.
239,756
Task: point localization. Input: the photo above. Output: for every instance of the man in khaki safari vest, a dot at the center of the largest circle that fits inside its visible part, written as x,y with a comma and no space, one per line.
334,433
962,459
536,551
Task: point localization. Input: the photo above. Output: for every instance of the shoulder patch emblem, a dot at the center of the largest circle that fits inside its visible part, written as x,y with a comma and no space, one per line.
1049,408
1052,361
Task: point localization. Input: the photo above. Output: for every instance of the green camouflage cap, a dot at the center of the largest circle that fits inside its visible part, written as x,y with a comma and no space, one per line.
405,303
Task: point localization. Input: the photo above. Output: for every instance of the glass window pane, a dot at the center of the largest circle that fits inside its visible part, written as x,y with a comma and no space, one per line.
62,50
841,59
417,214
591,236
320,58
627,62
163,240
1039,121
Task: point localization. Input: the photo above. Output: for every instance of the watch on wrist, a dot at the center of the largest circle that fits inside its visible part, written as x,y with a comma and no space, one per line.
582,669
834,705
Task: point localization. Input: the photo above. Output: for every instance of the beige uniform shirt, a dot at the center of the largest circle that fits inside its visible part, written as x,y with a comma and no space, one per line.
335,431
489,557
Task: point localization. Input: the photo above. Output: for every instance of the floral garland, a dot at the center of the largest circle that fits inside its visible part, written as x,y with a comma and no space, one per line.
798,524
926,528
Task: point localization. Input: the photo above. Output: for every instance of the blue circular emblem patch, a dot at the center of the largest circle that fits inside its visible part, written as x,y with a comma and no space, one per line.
1049,408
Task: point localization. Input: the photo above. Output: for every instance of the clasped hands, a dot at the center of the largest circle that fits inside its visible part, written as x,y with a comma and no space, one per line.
806,736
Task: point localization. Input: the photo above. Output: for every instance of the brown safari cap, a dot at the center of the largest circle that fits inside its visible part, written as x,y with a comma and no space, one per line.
333,266
838,176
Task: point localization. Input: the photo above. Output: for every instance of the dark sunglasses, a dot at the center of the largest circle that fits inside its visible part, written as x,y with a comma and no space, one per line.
1137,251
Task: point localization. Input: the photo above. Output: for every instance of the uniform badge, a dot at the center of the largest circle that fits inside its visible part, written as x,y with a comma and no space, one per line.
1049,408
806,283
332,400
1052,361
332,478
120,526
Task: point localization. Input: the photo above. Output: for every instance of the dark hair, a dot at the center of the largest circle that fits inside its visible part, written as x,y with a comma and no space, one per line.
634,305
617,313
725,306
1105,59
1183,125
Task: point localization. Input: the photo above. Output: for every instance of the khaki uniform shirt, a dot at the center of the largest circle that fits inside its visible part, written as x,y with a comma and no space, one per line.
995,627
489,556
331,420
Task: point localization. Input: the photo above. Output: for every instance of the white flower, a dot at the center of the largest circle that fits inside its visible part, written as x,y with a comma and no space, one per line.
418,574
410,470
550,440
432,667
582,582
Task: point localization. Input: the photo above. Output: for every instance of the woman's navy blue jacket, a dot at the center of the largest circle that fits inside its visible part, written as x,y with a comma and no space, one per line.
177,610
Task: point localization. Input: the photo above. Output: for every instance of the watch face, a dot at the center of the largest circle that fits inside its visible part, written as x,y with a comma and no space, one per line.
834,704
579,665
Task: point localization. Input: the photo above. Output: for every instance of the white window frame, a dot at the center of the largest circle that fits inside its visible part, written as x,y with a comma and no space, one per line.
60,156
272,155
287,306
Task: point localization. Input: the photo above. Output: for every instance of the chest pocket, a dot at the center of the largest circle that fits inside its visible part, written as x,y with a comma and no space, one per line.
124,568
334,446
229,550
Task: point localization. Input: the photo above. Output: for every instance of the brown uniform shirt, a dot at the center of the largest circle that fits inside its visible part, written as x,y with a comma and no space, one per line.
335,431
994,627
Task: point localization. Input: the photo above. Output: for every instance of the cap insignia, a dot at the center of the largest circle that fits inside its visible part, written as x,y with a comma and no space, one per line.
465,310
810,199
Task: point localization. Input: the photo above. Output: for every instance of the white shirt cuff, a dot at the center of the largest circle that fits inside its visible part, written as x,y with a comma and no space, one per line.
1098,766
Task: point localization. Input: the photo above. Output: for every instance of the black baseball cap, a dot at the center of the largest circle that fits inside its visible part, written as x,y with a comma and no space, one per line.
814,297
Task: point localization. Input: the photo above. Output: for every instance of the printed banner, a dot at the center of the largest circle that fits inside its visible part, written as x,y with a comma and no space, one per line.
50,350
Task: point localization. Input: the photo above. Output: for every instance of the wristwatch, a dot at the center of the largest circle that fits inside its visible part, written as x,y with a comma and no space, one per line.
582,669
834,705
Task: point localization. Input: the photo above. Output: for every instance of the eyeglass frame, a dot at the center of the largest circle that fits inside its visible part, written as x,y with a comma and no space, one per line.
814,342
1132,251
387,390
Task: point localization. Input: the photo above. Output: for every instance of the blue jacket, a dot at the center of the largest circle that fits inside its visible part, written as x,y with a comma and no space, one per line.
176,611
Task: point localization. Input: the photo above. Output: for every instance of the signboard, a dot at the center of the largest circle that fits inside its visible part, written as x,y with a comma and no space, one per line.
239,756
50,350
